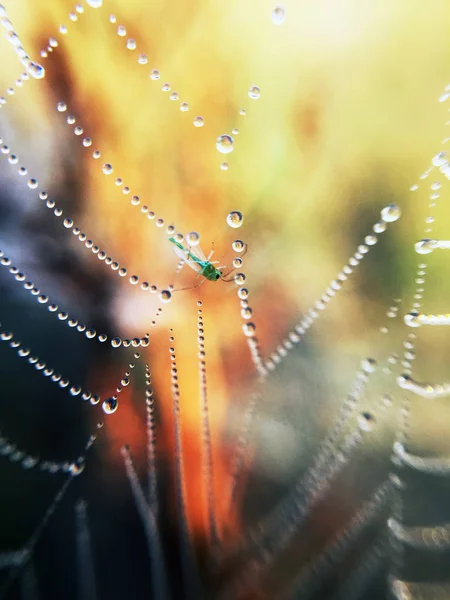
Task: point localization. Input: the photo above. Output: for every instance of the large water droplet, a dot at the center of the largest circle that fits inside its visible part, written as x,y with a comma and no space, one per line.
225,144
366,421
36,70
192,238
278,14
254,92
94,3
235,219
110,405
391,213
425,246
165,296
199,122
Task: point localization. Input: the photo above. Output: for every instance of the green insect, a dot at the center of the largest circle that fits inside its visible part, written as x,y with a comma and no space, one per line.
194,258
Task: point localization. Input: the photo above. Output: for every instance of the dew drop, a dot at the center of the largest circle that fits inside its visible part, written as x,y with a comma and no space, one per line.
235,219
439,159
225,144
61,107
254,93
412,319
366,421
184,106
76,469
107,169
155,74
110,405
199,122
192,238
391,213
224,166
238,246
165,296
278,15
368,365
94,3
36,70
249,329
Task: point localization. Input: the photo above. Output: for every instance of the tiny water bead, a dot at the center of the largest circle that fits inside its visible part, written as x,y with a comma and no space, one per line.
225,144
165,296
199,122
94,3
184,107
254,93
238,246
235,219
110,405
366,421
278,15
192,238
425,246
391,213
35,70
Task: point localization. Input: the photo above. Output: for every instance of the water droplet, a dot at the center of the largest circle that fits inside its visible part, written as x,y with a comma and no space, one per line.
110,405
238,246
166,87
278,14
224,166
254,93
235,219
425,246
107,169
155,74
174,96
412,319
184,106
192,238
131,44
249,329
199,122
61,106
391,213
366,421
36,70
76,469
239,278
94,3
165,296
225,144
439,159
369,365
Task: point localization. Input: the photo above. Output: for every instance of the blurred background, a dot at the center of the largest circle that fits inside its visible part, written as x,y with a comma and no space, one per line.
346,122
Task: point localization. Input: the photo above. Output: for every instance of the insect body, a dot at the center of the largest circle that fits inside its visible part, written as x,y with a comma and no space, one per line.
195,258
